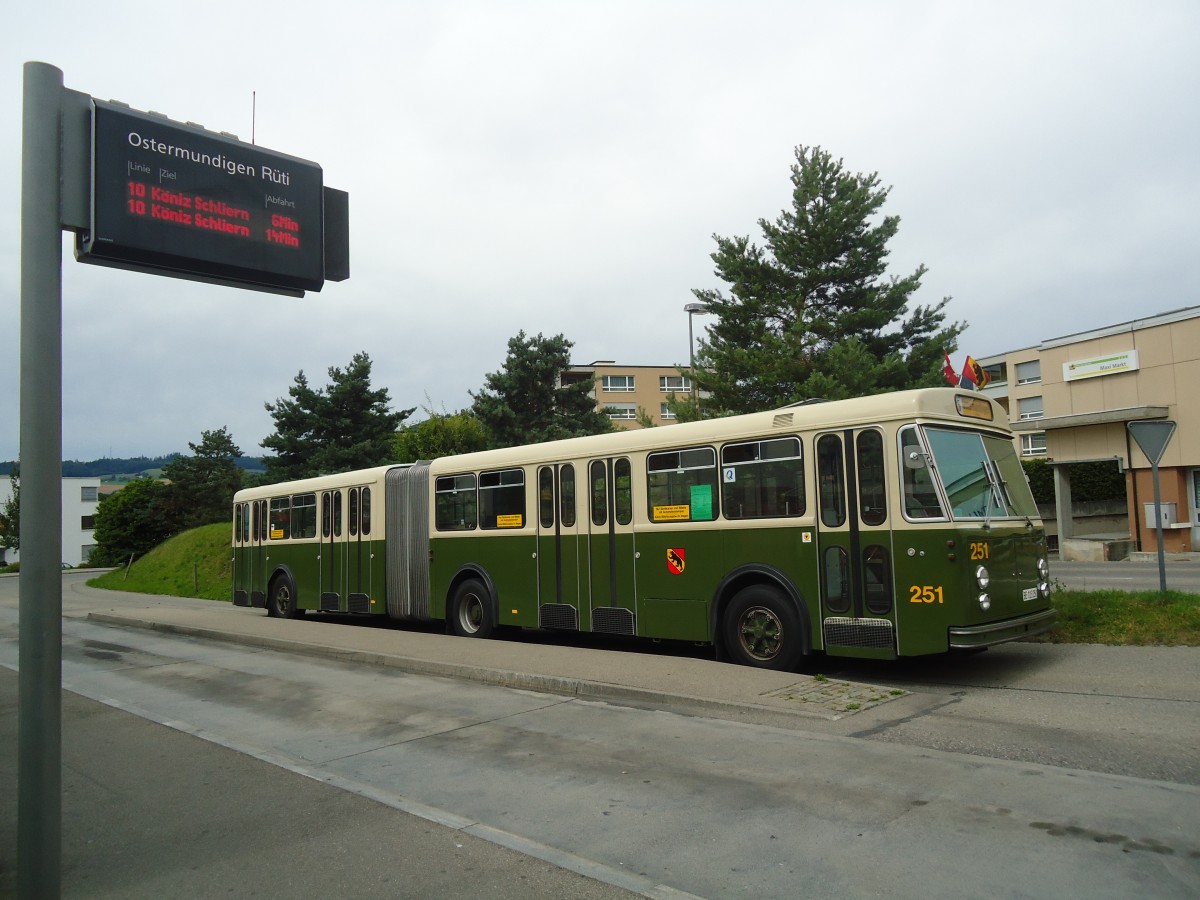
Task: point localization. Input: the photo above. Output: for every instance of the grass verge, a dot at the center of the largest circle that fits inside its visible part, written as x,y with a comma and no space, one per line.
1138,618
197,563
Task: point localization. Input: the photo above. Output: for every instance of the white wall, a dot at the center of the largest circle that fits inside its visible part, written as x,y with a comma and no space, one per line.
76,539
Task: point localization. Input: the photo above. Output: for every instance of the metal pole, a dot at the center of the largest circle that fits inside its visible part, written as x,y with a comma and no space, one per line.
1162,560
39,720
691,356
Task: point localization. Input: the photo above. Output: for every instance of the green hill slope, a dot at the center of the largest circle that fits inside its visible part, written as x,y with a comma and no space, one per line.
196,563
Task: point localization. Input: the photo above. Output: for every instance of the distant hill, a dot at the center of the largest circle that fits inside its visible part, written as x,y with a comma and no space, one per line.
145,466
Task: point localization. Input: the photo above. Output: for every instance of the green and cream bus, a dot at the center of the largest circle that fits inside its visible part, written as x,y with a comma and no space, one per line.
894,525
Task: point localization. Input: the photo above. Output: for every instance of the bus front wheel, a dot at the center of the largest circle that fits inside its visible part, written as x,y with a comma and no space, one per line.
281,604
471,612
762,629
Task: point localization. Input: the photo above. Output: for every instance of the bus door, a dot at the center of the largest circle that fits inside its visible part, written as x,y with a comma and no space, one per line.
333,550
358,556
347,547
854,545
256,554
559,571
247,555
612,546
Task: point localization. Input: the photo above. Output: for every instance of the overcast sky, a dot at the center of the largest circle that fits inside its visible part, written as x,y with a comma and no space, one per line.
562,167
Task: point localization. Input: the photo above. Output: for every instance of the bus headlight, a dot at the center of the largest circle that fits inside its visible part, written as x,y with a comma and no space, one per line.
1044,589
982,578
985,602
1043,570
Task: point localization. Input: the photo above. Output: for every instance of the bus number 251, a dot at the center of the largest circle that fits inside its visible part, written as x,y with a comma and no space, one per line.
925,593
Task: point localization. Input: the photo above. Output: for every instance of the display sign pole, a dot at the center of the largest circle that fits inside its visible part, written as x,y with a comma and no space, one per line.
39,716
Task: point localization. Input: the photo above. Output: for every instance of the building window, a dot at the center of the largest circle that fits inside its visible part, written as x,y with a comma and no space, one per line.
621,410
88,494
679,384
86,551
617,384
1033,444
87,523
1029,408
665,413
1029,372
996,373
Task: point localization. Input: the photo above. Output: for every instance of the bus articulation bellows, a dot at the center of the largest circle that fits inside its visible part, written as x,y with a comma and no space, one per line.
885,526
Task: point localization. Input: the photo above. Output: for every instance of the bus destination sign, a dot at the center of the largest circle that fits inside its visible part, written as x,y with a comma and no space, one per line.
176,199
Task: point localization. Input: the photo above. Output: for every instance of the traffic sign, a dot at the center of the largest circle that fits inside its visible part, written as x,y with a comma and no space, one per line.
1152,435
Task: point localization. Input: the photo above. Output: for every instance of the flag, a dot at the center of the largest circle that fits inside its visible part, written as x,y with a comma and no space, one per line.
974,373
948,371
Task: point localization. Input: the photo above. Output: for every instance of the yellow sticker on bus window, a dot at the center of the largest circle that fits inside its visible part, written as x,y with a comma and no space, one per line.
513,521
277,534
680,513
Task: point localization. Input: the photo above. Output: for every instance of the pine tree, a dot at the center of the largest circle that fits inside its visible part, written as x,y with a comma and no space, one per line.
347,425
811,313
526,403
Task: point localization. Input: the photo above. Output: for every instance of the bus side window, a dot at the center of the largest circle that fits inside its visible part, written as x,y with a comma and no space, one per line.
454,503
831,480
623,489
365,515
566,495
837,580
599,492
353,510
546,497
872,491
920,497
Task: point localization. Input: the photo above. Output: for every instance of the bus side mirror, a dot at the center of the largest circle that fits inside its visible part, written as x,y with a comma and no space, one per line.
914,459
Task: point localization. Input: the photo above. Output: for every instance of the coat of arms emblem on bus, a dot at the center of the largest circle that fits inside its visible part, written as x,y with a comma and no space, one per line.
675,563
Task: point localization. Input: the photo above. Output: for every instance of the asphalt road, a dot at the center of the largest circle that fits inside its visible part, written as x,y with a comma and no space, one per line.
952,790
1182,574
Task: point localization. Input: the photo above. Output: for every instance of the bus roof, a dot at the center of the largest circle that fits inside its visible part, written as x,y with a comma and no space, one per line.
920,404
923,403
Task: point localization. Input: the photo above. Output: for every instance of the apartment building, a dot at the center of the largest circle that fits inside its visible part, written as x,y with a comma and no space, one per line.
80,496
627,393
1071,399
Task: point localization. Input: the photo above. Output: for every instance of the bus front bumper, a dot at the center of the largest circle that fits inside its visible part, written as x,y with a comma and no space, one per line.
999,632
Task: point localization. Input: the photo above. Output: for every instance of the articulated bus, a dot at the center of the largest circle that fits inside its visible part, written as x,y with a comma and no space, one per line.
886,526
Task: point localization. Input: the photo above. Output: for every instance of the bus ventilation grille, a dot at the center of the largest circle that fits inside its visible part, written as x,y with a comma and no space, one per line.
358,603
846,632
612,620
331,602
558,615
782,420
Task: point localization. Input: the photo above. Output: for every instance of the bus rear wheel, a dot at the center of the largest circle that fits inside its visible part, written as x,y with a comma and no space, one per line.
762,629
281,603
471,612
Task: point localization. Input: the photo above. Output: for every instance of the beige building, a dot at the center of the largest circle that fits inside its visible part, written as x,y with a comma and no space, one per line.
622,391
1071,399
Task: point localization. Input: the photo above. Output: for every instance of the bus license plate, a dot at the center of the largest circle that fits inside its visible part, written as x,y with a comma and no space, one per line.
1029,594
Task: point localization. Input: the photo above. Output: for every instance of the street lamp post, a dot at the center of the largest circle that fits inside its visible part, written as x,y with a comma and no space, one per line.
692,309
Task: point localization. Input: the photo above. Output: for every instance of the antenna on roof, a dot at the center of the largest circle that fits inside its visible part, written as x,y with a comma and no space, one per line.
253,113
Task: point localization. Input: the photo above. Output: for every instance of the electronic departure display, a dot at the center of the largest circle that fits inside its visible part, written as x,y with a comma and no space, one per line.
177,199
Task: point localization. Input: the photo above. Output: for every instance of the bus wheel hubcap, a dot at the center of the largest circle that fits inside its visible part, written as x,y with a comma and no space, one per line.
470,614
761,633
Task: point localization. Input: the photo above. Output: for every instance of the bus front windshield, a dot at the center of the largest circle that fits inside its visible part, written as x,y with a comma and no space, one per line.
981,474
